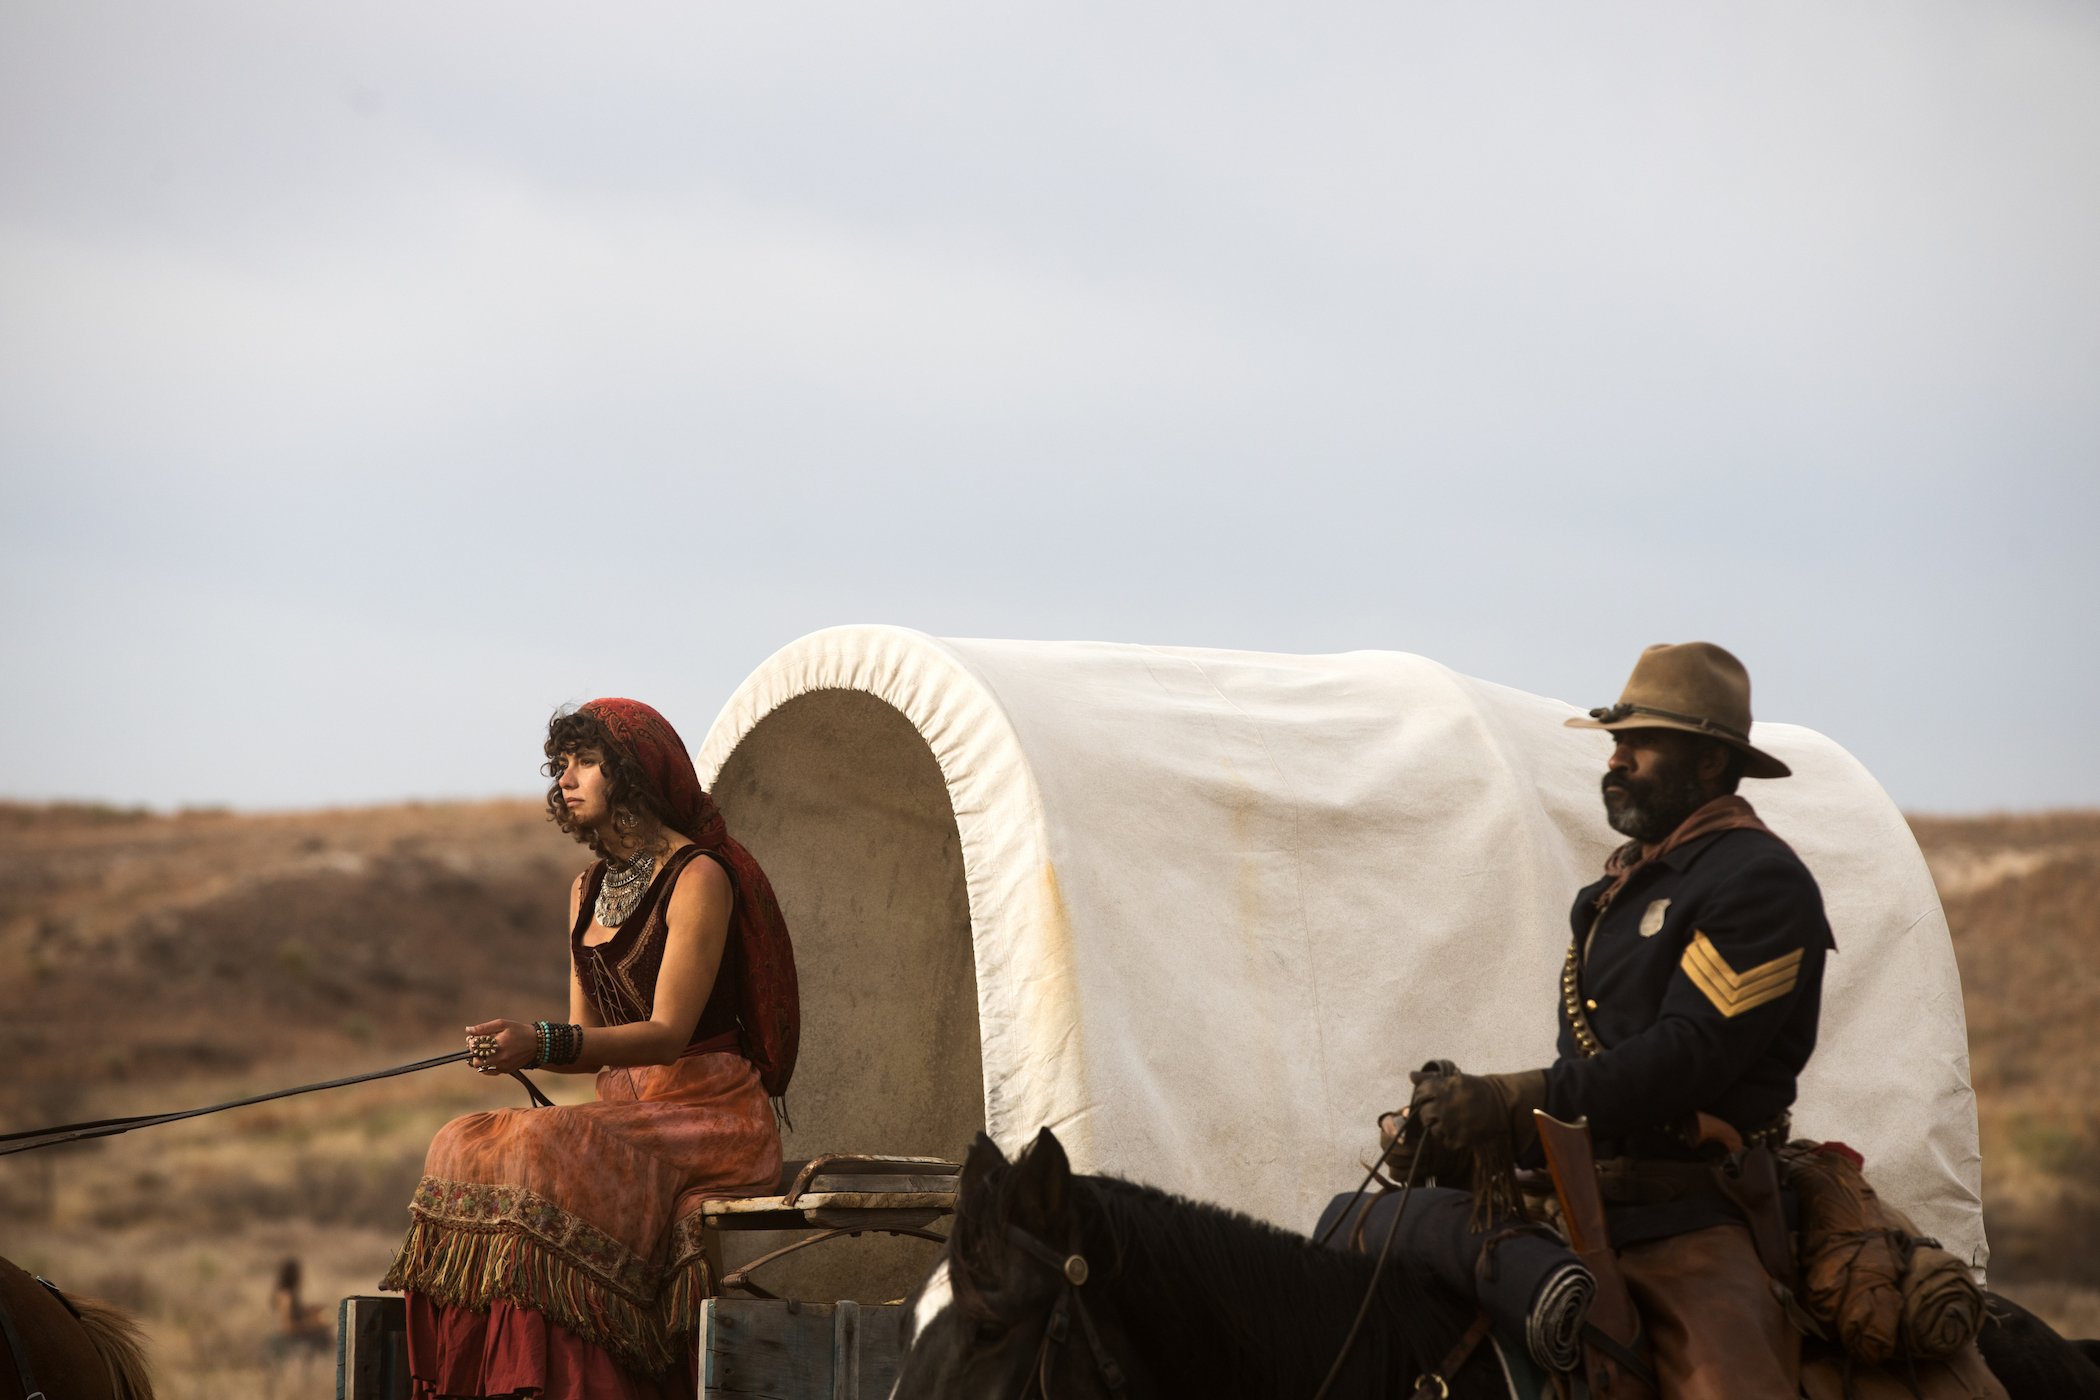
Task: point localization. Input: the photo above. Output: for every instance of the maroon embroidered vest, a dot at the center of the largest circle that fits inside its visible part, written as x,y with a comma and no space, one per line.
619,975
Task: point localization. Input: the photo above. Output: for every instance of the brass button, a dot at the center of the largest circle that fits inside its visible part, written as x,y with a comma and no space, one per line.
1592,1005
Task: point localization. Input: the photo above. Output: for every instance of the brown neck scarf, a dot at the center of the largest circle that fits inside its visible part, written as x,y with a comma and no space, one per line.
1728,813
770,999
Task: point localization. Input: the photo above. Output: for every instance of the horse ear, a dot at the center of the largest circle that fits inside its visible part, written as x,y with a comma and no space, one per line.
1042,1181
984,1159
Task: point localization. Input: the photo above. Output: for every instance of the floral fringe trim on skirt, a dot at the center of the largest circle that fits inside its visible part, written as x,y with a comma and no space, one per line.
589,1214
471,1244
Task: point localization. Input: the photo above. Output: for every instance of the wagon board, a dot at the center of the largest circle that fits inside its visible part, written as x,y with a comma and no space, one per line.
371,1349
752,1347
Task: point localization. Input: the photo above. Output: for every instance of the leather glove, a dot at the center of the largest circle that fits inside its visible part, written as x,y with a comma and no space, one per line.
1398,1138
1465,1112
1410,1154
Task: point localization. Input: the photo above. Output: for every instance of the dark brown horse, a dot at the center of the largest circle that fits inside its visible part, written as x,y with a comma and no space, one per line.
72,1348
1062,1287
1055,1286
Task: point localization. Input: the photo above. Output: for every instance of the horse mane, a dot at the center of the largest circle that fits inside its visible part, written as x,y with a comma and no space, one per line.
121,1344
1213,1269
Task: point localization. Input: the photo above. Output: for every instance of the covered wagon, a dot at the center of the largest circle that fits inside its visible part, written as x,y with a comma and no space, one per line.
1201,911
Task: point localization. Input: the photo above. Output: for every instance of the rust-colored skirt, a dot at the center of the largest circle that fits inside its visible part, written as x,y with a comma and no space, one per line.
556,1251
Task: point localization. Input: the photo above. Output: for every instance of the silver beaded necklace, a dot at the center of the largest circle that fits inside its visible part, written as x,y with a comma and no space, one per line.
622,888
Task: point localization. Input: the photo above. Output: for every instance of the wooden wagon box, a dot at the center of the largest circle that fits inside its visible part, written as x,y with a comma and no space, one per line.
749,1347
371,1349
775,1347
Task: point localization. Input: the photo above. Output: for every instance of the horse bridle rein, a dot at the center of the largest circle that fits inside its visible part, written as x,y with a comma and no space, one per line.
31,1139
1431,1385
1073,1271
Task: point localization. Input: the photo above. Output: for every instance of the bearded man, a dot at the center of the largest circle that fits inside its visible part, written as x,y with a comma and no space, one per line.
1690,1000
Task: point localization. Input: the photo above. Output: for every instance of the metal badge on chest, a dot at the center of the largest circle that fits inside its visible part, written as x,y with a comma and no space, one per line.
1652,919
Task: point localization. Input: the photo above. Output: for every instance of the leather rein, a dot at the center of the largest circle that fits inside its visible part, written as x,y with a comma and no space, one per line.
1072,1268
1431,1385
32,1139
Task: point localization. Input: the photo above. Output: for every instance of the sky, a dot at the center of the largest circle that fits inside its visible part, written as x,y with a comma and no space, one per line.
375,378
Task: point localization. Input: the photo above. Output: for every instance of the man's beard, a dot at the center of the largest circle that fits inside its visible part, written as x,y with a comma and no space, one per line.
1650,809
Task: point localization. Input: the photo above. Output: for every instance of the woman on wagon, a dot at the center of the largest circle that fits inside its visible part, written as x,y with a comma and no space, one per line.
556,1251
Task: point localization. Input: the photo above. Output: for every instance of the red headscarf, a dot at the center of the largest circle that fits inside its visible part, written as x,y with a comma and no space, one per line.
771,1006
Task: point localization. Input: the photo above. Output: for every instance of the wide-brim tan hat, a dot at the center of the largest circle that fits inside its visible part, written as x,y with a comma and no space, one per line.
1694,686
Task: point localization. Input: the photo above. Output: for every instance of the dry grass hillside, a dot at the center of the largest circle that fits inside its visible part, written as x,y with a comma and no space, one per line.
152,962
2022,896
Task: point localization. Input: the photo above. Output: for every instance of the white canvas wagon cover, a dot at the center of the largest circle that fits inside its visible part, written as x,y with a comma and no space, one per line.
1202,911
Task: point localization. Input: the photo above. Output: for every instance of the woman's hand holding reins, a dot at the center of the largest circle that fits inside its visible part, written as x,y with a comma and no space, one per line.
502,1046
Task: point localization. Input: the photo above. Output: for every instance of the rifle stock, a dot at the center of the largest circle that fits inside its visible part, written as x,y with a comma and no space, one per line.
1573,1163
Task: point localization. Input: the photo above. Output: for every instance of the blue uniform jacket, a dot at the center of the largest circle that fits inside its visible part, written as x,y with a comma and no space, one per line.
1703,979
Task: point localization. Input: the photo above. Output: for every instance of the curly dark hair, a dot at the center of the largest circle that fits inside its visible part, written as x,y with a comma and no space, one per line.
627,787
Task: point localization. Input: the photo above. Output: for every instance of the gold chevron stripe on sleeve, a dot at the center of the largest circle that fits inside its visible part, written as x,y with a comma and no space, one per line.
1731,992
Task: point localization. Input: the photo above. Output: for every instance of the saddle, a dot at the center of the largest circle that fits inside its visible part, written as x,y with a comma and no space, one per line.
1885,1311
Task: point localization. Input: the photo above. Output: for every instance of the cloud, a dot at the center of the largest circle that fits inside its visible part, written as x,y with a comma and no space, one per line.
422,343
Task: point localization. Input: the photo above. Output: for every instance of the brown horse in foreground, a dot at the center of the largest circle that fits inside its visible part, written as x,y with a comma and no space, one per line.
74,1347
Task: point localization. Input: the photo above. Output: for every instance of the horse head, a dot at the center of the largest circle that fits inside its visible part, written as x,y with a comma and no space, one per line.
998,1317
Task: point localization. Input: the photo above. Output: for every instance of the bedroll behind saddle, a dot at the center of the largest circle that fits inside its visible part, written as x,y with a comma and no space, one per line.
1884,1292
